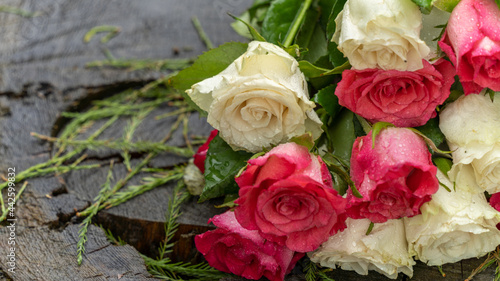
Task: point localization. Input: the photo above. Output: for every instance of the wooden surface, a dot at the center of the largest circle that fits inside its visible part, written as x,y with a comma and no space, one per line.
43,73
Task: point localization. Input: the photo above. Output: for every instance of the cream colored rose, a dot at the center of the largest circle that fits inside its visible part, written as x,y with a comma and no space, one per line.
381,34
471,125
454,225
260,100
383,250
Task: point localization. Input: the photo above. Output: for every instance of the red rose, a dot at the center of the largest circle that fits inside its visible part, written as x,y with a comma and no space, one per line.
472,42
234,249
201,154
287,195
495,203
403,98
395,177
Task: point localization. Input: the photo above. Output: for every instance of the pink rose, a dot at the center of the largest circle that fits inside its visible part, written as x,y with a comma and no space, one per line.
395,177
234,249
287,195
495,203
472,42
404,98
201,154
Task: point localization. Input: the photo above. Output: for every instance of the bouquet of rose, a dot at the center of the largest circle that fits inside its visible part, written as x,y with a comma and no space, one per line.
328,142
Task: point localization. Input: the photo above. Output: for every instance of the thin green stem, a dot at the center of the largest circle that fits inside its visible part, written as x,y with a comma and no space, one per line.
294,28
202,33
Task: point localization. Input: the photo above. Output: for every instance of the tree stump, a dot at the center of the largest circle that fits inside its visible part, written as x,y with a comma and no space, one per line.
43,73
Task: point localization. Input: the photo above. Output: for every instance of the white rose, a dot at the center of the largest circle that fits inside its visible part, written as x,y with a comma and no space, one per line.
471,125
383,250
381,34
454,225
260,100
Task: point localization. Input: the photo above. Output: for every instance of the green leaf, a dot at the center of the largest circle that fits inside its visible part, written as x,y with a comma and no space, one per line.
341,135
498,3
443,164
221,166
447,5
304,140
279,18
312,71
207,65
377,127
432,131
312,37
325,7
430,143
425,5
328,100
336,56
253,32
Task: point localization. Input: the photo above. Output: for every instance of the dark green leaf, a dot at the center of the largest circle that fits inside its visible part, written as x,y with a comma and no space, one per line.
325,7
253,32
443,164
336,57
221,165
429,142
312,71
425,5
279,18
341,135
312,37
498,3
207,65
344,175
432,131
328,100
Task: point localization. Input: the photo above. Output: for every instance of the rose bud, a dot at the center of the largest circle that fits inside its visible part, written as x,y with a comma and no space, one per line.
472,42
395,177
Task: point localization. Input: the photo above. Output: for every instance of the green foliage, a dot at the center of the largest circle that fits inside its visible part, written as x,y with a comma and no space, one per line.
328,100
443,164
341,134
279,19
313,272
221,166
432,131
425,5
104,193
311,36
207,65
254,16
253,32
336,57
